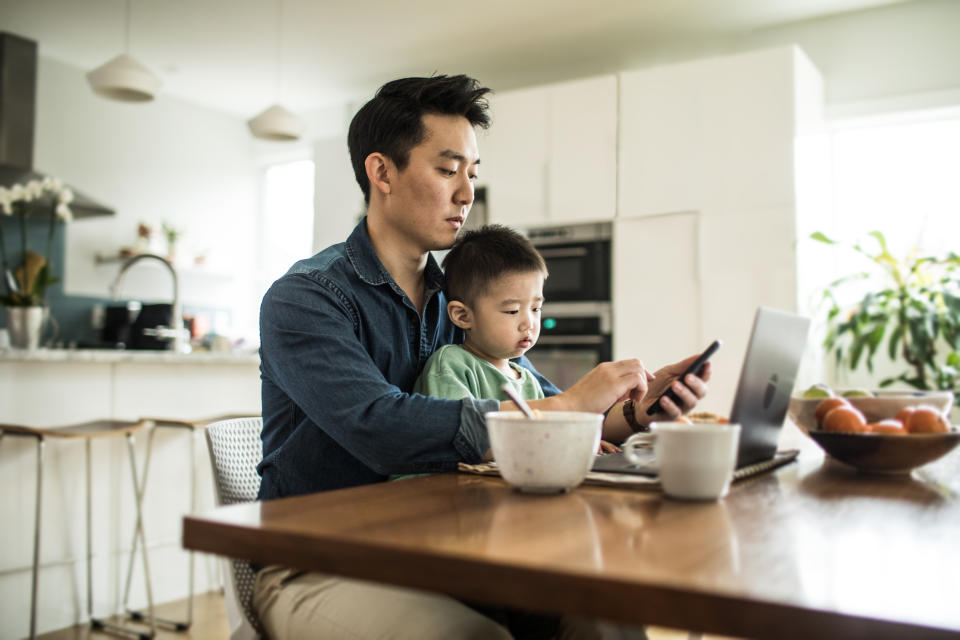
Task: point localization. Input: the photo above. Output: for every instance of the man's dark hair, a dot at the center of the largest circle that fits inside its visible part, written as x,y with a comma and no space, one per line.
481,256
392,122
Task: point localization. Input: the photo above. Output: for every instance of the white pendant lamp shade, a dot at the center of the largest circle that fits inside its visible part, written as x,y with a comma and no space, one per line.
125,79
277,123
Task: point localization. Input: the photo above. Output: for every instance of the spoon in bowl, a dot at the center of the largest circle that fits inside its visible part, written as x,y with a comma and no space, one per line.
508,389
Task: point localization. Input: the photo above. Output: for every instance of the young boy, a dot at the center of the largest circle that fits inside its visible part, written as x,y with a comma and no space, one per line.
494,284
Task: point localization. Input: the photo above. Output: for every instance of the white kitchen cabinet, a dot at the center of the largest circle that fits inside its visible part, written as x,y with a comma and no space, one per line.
710,132
718,137
582,172
514,156
550,156
656,288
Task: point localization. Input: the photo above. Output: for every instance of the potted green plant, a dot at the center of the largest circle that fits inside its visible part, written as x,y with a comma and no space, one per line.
911,309
172,235
25,284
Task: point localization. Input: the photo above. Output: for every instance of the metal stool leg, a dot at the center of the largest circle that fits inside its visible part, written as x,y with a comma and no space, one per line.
89,537
136,530
193,509
139,616
36,542
34,574
97,623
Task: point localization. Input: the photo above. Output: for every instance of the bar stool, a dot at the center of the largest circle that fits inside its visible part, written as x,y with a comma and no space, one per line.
88,431
193,427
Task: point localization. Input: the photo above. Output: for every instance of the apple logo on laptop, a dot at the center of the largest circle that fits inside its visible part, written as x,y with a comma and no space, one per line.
771,391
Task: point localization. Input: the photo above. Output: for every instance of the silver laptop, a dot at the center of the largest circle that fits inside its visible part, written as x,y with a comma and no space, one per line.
769,370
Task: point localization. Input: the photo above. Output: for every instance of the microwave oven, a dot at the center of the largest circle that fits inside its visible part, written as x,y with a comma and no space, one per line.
578,261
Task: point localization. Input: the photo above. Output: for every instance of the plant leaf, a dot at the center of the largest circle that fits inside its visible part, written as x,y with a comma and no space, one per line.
856,350
893,346
820,237
874,338
916,383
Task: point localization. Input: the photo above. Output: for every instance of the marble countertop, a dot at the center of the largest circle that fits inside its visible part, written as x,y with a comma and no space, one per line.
120,355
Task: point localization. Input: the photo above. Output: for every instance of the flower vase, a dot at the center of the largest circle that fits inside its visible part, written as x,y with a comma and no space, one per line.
25,324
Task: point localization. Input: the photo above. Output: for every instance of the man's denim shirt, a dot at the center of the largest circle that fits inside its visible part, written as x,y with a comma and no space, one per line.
341,346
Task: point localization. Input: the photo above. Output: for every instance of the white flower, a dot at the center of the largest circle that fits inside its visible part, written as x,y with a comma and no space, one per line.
33,190
64,213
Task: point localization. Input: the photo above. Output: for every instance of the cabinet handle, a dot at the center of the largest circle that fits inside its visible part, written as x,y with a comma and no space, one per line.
546,191
571,252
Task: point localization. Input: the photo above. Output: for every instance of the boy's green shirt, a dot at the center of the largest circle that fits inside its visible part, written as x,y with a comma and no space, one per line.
453,372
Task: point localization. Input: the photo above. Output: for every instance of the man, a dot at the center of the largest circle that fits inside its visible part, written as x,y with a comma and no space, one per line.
344,335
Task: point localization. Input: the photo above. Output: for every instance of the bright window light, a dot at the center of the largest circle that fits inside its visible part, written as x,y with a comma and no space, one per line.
902,178
899,175
287,216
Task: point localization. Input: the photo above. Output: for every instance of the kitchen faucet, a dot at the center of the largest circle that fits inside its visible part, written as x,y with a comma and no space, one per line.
174,333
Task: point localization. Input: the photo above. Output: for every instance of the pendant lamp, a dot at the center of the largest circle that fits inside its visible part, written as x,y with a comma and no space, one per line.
123,78
277,122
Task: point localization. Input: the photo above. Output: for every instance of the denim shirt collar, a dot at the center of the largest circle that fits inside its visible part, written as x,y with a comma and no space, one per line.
367,264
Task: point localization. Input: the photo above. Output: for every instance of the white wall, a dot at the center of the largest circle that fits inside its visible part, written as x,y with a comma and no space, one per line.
162,161
908,49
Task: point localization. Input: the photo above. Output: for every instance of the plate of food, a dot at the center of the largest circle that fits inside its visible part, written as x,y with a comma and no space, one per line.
879,431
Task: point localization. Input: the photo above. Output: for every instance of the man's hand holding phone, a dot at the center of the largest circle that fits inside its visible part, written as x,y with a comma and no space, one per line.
676,388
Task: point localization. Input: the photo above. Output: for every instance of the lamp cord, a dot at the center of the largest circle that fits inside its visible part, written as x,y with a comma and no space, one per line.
126,32
279,50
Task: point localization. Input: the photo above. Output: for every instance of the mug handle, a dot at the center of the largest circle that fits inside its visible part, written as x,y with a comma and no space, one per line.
631,446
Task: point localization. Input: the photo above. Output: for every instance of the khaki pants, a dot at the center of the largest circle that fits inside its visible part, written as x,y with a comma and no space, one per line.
294,605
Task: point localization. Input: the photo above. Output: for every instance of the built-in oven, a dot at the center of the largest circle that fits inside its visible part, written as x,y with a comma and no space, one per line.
578,260
574,338
575,325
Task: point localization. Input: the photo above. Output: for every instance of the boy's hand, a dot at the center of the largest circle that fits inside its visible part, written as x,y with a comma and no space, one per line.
608,447
606,384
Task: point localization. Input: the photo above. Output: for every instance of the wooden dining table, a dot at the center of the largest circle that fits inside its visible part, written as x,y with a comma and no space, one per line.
813,549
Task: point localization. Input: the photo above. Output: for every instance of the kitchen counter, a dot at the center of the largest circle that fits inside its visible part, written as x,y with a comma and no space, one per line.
127,355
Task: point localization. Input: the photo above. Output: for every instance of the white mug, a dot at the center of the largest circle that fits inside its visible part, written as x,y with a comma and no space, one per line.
694,461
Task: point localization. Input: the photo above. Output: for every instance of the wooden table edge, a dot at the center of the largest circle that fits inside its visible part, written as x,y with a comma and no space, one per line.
585,595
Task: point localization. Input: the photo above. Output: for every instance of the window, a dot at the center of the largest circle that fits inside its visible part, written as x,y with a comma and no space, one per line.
901,177
287,223
897,175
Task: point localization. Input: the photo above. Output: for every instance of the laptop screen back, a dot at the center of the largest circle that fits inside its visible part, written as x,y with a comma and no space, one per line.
766,381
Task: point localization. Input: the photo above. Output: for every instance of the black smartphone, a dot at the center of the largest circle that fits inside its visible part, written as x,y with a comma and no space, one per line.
696,368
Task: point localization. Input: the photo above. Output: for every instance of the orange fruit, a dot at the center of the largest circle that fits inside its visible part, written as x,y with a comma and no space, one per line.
845,419
890,427
826,405
927,420
904,414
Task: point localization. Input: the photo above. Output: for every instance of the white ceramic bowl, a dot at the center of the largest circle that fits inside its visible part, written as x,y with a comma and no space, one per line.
548,455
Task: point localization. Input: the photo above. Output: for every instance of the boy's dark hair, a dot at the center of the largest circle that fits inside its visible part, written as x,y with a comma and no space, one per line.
481,256
392,122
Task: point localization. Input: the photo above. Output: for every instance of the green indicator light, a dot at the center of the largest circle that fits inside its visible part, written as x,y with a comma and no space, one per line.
549,323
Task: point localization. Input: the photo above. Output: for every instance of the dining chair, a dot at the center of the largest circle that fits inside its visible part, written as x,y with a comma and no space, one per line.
235,452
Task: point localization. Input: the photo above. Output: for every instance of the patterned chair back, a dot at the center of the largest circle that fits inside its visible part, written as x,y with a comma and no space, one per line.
235,452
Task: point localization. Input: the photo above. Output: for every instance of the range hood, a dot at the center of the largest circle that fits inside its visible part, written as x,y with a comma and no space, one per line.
18,101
